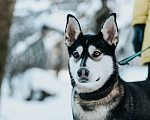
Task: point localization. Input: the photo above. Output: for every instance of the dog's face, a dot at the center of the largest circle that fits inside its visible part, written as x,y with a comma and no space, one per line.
91,56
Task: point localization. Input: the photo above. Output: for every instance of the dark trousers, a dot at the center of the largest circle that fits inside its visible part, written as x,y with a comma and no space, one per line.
148,71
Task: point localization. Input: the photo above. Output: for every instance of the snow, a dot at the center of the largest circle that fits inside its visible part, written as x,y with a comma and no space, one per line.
50,40
94,7
124,10
22,46
133,73
55,20
25,7
35,79
63,75
56,107
89,8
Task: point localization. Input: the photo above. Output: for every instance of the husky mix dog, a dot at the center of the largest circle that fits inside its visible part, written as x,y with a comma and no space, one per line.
98,92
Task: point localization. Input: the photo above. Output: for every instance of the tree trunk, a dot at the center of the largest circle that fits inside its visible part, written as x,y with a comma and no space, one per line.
101,16
6,10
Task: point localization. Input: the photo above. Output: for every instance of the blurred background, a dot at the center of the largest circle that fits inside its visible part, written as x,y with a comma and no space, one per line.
36,85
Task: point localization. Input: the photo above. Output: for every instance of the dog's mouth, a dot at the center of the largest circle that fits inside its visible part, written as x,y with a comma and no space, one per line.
98,79
86,80
83,80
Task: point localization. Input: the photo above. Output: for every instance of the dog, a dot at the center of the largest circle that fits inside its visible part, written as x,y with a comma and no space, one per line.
98,91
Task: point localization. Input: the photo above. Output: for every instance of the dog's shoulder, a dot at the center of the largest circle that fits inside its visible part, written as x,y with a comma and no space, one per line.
140,88
135,103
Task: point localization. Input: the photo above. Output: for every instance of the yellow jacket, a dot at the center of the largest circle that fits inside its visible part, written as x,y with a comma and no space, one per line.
141,15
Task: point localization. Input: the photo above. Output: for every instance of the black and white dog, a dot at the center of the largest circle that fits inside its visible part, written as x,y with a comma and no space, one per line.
98,91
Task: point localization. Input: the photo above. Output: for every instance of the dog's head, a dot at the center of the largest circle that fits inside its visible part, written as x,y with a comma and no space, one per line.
91,57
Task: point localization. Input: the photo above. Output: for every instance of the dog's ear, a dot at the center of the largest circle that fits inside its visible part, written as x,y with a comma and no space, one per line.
110,30
72,30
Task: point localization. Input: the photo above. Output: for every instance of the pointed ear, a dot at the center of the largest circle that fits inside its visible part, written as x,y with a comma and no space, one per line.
110,30
72,30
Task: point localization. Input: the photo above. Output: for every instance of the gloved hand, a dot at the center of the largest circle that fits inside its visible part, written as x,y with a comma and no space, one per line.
138,37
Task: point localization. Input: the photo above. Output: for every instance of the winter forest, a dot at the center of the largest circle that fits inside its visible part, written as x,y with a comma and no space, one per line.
36,84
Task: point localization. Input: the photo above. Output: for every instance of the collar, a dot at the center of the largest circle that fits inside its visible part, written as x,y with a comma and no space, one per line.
96,96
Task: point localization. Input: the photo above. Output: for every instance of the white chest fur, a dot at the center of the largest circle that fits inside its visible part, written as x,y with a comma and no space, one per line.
100,108
100,113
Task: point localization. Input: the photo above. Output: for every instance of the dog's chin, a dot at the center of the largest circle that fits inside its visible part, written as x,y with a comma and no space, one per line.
85,86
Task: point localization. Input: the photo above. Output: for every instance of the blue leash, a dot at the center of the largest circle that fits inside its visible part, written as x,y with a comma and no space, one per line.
126,60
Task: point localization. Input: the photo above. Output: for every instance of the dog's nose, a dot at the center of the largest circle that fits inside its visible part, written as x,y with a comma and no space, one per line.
83,73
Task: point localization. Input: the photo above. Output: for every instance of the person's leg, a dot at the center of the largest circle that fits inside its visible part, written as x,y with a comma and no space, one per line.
148,71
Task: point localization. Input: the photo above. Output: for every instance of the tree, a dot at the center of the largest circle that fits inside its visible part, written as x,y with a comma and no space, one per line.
6,10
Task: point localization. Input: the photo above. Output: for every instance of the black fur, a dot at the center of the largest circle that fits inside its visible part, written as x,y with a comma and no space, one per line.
135,104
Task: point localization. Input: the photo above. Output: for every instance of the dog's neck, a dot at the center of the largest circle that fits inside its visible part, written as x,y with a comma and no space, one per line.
96,95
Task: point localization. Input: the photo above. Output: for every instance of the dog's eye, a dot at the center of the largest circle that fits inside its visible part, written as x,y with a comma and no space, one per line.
76,55
96,54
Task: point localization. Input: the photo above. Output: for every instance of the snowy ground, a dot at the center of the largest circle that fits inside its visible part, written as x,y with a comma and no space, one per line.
55,108
59,106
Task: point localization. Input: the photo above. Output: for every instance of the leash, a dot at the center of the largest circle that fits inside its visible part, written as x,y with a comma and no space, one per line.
126,60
